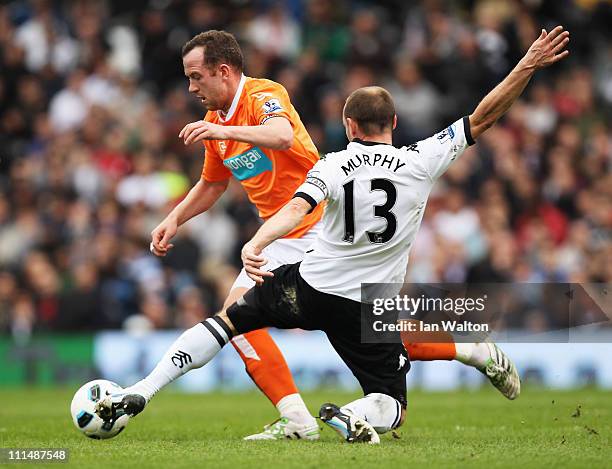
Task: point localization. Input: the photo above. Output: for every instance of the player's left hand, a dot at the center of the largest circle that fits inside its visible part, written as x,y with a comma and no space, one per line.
202,130
253,261
548,48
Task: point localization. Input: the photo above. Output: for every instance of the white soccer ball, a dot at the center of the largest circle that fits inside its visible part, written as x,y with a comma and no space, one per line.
83,412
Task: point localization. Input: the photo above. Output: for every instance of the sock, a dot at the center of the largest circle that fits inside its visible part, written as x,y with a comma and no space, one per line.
426,346
430,351
473,354
294,408
266,365
380,410
193,349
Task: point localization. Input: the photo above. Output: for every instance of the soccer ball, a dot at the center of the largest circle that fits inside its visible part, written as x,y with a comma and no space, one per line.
83,412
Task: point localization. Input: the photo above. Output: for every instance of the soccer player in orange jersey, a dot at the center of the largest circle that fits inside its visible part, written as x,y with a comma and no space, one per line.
253,133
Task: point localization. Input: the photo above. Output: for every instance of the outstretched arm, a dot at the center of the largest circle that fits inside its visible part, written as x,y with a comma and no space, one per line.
546,50
283,221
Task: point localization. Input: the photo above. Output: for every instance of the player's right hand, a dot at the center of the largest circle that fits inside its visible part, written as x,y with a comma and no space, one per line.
548,48
161,236
202,130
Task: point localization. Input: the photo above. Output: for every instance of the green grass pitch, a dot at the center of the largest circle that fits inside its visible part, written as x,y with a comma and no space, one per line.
542,428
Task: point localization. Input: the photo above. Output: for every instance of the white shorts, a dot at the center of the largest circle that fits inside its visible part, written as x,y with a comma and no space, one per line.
280,252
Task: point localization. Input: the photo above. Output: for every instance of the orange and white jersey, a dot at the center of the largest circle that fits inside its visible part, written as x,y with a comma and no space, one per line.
269,177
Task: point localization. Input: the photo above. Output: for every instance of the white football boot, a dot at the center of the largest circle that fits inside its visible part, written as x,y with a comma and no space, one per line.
501,372
349,426
285,429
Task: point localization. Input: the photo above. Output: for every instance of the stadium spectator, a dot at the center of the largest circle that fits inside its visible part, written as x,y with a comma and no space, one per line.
418,103
275,33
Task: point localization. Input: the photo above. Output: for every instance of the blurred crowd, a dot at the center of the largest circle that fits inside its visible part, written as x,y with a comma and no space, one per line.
92,97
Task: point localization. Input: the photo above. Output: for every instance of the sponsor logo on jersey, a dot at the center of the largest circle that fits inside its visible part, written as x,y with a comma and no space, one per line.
249,164
271,105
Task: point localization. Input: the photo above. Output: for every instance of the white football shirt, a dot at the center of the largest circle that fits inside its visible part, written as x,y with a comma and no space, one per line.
376,195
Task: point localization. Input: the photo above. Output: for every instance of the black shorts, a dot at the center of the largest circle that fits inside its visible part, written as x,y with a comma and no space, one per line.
286,301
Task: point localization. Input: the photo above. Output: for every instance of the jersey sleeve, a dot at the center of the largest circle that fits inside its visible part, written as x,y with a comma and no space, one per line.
439,151
319,185
270,101
214,170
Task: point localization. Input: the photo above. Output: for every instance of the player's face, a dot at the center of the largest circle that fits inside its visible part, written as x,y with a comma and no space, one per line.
204,82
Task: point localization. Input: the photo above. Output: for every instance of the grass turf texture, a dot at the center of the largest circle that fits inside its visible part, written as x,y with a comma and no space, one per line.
541,428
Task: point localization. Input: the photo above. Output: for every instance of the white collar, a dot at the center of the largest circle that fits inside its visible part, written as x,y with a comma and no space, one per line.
232,109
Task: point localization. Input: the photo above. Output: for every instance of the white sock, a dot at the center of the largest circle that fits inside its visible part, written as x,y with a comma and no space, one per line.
473,354
193,349
294,408
380,410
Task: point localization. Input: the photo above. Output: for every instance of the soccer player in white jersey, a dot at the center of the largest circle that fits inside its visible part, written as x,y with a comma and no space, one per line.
376,195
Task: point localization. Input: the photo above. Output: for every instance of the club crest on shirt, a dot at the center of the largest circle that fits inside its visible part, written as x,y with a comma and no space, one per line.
272,105
413,147
222,147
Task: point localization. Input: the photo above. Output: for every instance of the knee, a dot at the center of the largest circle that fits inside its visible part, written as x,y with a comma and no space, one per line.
223,316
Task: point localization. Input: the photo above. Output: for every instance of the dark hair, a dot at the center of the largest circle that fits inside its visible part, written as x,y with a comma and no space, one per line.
372,108
219,47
